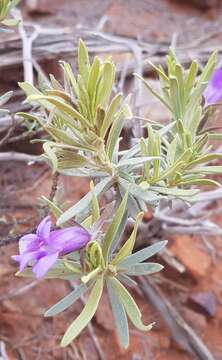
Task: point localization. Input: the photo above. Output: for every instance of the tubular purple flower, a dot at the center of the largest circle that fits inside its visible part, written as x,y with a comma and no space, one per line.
213,91
44,247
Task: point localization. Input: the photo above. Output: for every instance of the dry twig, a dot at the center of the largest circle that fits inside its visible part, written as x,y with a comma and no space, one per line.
181,332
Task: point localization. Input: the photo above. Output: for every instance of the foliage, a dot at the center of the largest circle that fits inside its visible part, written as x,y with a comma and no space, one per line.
84,124
5,7
186,147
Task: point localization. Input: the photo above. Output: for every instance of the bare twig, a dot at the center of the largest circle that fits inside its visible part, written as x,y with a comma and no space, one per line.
9,133
3,354
27,42
55,179
181,332
15,156
24,136
19,291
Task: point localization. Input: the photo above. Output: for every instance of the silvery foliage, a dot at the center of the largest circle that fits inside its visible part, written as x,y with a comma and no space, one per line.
84,123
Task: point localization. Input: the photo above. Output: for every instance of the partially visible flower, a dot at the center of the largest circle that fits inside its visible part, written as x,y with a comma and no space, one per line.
44,247
213,92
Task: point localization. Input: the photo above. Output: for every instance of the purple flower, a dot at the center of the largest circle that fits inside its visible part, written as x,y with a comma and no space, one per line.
44,247
213,91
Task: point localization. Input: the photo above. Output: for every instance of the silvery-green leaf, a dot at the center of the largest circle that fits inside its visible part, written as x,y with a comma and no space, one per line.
56,211
86,315
31,90
85,201
153,92
106,84
195,98
69,159
174,97
191,76
50,152
95,204
132,152
61,94
181,89
129,304
119,315
205,158
208,170
167,128
5,98
10,22
83,61
209,67
55,83
209,182
137,191
144,269
144,152
114,134
58,271
126,280
109,117
118,235
133,204
70,77
67,109
67,301
174,191
93,77
127,248
113,228
84,172
136,161
143,254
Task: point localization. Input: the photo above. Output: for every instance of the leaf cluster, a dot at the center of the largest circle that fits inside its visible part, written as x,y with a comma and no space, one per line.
102,263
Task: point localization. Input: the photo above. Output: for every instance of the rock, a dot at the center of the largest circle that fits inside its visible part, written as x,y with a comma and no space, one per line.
205,302
187,250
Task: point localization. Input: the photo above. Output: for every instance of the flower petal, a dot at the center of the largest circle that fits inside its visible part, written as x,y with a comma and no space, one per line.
213,92
28,243
44,264
69,239
43,230
24,259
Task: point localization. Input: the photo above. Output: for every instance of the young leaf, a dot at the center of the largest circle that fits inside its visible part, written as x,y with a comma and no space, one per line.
95,204
106,84
113,228
114,134
67,109
127,248
109,117
83,61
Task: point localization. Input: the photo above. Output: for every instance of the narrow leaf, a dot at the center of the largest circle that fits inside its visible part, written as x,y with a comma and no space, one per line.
143,254
119,315
86,315
66,301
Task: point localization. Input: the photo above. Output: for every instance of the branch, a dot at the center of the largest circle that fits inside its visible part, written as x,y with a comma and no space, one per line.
15,156
182,333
